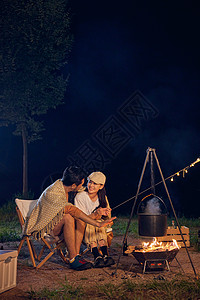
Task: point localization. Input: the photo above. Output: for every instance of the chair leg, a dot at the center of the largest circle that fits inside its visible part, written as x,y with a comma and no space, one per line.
46,243
25,238
60,253
44,260
30,251
43,248
34,256
41,252
33,249
21,244
52,251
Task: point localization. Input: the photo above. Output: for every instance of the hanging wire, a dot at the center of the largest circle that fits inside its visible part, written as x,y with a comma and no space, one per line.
184,170
152,175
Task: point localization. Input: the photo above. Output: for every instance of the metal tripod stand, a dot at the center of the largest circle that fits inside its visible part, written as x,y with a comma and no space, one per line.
152,154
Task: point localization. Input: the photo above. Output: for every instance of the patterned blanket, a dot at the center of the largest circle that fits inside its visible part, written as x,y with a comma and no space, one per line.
48,211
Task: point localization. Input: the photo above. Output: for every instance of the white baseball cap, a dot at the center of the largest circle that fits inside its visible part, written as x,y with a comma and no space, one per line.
97,177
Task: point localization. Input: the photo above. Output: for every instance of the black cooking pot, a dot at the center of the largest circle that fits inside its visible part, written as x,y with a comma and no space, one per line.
152,217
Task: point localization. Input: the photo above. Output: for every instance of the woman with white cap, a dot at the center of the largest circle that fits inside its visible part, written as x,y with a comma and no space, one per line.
94,203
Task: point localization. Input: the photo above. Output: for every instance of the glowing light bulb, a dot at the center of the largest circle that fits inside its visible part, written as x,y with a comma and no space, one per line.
177,173
172,179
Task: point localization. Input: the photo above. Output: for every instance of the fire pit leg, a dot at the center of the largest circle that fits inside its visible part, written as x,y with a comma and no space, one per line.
167,264
144,268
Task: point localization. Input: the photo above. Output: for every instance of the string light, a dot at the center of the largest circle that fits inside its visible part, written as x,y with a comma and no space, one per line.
185,170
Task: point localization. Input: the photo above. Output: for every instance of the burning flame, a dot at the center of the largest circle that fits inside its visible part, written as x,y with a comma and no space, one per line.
159,246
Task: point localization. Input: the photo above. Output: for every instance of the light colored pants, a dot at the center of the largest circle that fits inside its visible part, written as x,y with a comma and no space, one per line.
94,234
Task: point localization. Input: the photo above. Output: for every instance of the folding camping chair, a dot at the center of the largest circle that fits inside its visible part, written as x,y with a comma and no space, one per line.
24,209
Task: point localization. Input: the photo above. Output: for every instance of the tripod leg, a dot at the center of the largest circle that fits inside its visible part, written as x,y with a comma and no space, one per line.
179,227
133,208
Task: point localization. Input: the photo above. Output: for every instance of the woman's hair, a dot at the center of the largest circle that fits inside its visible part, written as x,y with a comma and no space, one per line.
102,200
102,197
73,174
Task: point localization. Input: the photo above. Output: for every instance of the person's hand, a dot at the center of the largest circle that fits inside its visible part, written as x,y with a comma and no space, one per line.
103,211
106,222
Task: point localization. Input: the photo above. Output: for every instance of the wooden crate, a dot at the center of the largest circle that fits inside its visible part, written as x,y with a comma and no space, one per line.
174,233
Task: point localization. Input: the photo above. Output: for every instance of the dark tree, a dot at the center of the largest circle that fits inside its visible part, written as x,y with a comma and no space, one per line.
35,44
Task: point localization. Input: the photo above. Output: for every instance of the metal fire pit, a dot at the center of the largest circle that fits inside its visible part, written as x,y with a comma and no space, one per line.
155,260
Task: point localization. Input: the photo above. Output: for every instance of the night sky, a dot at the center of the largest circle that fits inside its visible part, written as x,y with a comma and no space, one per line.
127,54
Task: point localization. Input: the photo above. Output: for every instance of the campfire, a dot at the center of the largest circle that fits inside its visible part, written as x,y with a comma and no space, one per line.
158,246
154,256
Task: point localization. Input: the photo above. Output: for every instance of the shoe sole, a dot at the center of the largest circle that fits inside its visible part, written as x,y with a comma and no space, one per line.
82,268
101,266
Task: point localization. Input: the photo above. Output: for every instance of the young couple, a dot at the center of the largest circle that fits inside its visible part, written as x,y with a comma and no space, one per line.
54,213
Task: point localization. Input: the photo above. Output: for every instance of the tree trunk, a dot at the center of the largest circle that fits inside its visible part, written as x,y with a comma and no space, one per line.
25,162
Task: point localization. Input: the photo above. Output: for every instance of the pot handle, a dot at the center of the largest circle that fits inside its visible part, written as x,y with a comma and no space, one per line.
152,195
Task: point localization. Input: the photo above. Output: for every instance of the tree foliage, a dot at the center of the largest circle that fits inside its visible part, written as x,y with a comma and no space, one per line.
35,45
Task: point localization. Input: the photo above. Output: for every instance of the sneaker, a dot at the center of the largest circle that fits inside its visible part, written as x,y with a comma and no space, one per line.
108,261
79,264
99,262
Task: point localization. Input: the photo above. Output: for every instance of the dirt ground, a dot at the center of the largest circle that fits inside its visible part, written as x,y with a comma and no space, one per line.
54,272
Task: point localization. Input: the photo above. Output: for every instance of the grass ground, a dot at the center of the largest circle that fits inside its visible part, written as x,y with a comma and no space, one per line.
176,289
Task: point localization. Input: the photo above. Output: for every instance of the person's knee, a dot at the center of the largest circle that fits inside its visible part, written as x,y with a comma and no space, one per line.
93,244
68,219
102,243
